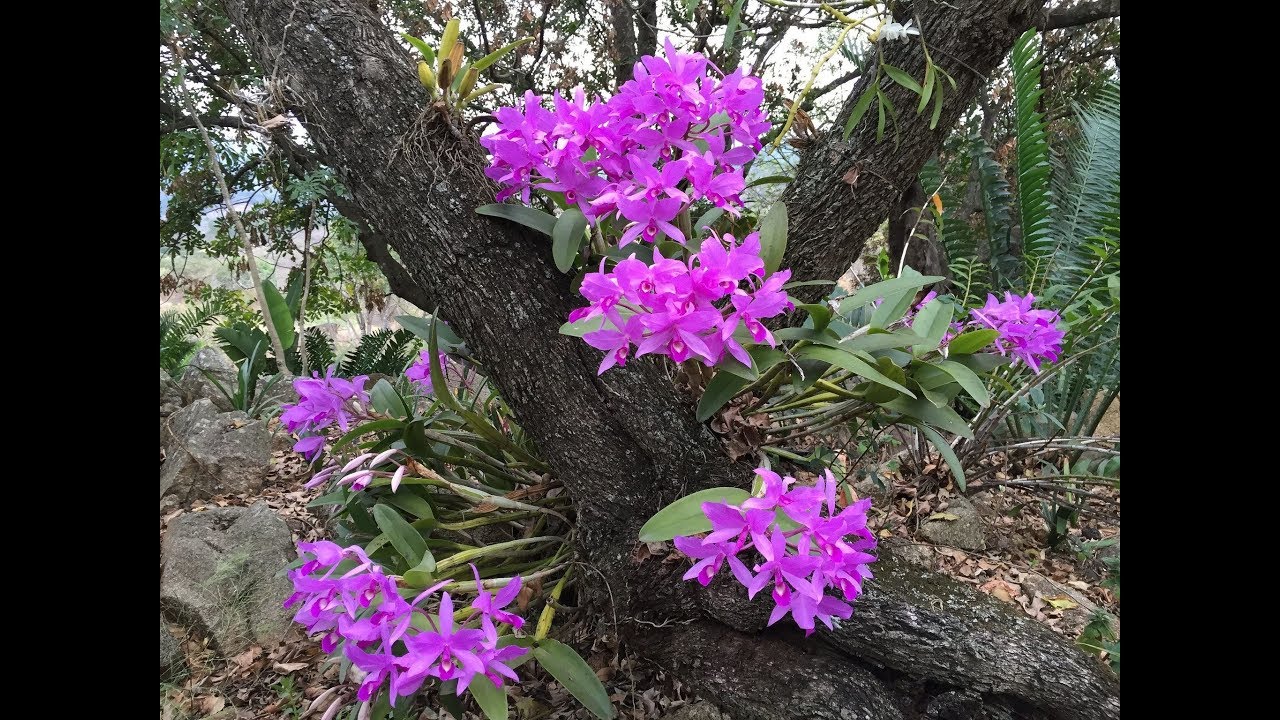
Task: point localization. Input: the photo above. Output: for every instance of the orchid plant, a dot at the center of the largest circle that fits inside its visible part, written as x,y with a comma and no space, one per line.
413,466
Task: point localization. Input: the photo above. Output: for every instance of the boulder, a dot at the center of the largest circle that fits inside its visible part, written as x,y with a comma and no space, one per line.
964,530
195,384
221,573
211,453
171,658
280,393
170,395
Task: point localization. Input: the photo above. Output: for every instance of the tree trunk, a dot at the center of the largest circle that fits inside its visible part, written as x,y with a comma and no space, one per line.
627,443
635,33
913,236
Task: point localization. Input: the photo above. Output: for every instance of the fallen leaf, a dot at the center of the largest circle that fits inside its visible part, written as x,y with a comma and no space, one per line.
1062,602
287,668
942,516
246,658
210,704
1000,589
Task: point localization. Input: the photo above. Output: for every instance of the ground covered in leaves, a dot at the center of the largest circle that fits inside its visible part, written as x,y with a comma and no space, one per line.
1061,588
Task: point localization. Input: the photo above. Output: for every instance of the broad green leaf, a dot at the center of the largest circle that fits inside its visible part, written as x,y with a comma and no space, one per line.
885,288
770,179
386,400
428,53
971,383
281,317
421,575
926,87
948,455
369,427
731,25
708,218
527,216
892,309
491,698
337,497
848,361
415,440
497,55
971,342
806,283
901,77
859,110
765,357
937,105
922,409
524,642
733,366
880,101
719,391
404,538
982,362
422,328
582,327
873,341
820,313
415,505
685,516
931,323
566,238
773,237
878,393
439,387
567,667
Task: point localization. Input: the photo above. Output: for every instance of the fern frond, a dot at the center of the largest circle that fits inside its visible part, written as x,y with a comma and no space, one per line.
1035,194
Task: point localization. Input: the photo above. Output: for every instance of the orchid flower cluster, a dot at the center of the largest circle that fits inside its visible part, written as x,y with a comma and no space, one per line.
360,471
1029,335
322,401
362,609
684,309
674,134
801,559
420,371
679,132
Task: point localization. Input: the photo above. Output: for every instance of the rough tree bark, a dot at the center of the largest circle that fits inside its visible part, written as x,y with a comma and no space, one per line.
627,443
914,232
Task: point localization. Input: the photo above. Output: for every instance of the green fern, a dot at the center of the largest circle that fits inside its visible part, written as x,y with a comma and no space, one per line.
381,351
320,351
176,331
1086,180
1035,194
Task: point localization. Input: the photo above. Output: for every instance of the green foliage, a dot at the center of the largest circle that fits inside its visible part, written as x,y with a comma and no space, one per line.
245,395
1035,194
382,351
176,330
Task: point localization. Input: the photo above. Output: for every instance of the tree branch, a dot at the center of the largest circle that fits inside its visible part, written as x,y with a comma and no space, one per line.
826,238
1080,14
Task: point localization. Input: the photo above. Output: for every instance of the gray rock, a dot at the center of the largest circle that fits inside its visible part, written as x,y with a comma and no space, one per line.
211,453
171,657
221,573
919,555
700,710
195,384
280,393
867,488
170,395
966,532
